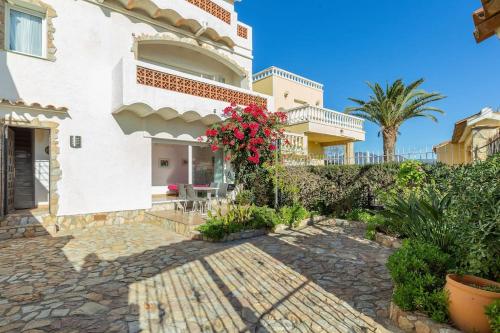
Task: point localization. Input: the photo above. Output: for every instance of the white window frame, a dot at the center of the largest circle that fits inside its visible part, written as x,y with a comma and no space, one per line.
30,10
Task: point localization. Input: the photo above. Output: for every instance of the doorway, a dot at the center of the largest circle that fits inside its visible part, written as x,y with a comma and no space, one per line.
25,166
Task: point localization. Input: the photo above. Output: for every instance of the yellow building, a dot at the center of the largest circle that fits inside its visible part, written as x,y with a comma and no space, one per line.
473,139
311,127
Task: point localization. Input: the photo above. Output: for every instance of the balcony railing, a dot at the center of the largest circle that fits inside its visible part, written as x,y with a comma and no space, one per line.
185,85
297,143
148,89
324,116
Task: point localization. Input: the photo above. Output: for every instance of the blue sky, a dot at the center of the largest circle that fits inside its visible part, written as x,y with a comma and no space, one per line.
344,43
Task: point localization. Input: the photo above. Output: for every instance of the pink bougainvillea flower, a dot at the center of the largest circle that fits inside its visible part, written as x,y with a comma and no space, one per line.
254,159
238,134
272,147
214,148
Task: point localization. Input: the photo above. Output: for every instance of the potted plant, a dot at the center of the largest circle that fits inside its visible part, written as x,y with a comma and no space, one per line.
468,297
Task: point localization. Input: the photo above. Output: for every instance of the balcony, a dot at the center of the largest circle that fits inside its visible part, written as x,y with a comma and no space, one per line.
324,125
214,19
148,89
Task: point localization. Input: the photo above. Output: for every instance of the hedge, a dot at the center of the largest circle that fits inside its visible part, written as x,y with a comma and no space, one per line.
333,189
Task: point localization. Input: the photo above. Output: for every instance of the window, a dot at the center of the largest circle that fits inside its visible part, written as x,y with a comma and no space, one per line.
25,31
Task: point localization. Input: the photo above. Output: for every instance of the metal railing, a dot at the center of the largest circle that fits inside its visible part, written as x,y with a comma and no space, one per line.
324,116
359,158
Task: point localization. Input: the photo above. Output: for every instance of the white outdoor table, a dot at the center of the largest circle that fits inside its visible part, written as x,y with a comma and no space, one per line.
209,191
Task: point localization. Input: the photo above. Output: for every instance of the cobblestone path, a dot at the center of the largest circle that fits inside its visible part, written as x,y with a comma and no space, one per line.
141,278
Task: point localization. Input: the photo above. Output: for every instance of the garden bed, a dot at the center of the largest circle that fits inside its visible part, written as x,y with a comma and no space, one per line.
417,322
245,234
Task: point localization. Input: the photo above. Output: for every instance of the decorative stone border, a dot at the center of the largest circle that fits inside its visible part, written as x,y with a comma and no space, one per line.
245,234
50,15
416,322
388,241
83,221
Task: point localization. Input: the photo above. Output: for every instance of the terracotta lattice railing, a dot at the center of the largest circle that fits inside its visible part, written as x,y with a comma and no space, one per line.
242,31
157,79
213,9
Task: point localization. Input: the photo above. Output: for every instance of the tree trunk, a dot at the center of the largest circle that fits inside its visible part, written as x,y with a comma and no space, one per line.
389,136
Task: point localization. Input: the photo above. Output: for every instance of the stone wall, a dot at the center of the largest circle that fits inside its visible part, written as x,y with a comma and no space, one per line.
83,221
388,241
416,322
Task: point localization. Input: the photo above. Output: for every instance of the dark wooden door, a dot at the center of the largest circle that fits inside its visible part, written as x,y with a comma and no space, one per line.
25,187
10,167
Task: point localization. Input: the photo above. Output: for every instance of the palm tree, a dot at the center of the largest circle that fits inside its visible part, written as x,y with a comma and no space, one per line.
390,108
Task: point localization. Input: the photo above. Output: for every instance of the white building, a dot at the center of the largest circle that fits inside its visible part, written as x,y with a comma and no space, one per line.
102,101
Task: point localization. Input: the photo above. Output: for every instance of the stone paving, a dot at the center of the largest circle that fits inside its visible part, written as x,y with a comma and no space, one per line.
141,278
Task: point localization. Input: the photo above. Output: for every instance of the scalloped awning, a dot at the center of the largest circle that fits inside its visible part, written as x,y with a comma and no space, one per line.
143,110
172,17
34,106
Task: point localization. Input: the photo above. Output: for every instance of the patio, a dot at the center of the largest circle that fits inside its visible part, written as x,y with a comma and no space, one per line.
324,278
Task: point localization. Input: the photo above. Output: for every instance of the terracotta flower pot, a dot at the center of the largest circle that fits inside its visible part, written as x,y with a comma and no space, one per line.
467,303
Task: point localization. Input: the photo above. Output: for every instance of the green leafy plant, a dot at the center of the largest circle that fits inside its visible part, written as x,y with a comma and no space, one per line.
423,218
245,197
493,313
265,217
220,224
359,214
418,271
376,223
292,215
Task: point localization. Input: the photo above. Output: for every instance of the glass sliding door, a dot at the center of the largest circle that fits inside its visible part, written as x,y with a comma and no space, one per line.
208,167
169,166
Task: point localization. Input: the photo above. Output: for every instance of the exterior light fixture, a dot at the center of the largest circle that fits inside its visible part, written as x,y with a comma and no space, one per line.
75,141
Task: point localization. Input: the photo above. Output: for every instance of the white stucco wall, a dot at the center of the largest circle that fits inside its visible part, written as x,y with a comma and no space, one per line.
188,60
41,142
112,170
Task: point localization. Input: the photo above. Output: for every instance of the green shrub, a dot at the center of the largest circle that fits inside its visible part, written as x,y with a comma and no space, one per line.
239,218
259,183
475,205
264,217
418,271
245,197
493,313
220,224
423,218
374,224
359,214
293,215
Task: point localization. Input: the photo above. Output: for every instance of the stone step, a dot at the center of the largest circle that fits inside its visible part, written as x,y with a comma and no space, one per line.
23,225
26,231
20,220
171,222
